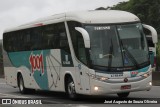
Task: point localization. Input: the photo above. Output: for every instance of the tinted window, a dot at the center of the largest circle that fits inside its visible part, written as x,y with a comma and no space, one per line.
150,42
51,36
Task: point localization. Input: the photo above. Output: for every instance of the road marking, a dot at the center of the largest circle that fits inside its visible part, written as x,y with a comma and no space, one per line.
12,96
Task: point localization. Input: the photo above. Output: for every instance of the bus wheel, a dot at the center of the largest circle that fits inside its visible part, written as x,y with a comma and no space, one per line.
123,95
22,89
71,89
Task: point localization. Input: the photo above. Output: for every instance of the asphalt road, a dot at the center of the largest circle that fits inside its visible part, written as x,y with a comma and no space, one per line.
61,100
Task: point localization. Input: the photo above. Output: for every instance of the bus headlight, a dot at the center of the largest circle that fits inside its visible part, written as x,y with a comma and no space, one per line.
103,78
96,88
100,78
92,76
147,74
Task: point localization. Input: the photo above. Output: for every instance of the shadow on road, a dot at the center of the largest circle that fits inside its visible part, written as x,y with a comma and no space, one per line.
82,99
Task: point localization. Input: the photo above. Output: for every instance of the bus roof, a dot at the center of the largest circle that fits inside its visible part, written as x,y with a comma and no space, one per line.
92,16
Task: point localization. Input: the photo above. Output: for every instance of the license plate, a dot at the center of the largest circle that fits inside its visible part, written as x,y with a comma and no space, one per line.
125,87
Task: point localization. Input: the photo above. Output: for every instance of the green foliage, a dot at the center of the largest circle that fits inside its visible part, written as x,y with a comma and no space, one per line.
147,10
158,53
1,60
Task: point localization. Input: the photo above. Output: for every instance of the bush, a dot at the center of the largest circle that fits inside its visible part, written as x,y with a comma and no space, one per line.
158,53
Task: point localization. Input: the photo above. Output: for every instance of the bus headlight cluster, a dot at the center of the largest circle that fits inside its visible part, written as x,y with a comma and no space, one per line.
103,78
147,74
100,78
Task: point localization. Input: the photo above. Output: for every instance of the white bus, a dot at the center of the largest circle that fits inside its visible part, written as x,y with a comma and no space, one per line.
90,52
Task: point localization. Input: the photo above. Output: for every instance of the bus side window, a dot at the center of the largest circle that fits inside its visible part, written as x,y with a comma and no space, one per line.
49,38
7,42
64,42
54,37
36,38
81,50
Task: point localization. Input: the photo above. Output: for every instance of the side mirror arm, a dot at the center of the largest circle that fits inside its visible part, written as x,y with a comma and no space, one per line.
85,35
153,32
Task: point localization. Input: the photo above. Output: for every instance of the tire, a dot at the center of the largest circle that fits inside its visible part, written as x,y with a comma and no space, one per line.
21,86
123,95
71,89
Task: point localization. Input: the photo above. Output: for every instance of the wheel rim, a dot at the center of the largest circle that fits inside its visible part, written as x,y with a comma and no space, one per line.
71,89
21,85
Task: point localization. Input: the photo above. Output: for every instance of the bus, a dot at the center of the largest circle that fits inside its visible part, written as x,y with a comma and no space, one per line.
95,52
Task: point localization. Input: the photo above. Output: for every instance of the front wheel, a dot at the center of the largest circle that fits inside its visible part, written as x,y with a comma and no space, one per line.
21,86
71,89
123,95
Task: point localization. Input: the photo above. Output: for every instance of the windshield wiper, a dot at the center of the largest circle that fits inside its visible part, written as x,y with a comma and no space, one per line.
131,57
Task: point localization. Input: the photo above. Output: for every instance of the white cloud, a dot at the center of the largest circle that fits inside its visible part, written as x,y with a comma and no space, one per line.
16,12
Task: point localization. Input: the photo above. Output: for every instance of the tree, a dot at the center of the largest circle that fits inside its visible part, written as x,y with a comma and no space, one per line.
147,10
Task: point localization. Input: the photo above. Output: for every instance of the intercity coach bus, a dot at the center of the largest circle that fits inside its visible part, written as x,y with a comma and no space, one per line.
96,52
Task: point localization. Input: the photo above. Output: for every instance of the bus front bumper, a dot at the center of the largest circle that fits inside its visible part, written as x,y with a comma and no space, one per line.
103,88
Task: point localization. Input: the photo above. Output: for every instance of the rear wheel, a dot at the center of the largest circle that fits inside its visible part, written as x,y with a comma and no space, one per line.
123,95
71,89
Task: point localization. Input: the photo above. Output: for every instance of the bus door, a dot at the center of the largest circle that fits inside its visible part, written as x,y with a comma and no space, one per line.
81,69
83,78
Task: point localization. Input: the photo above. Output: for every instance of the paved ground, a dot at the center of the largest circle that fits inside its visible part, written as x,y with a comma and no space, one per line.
60,100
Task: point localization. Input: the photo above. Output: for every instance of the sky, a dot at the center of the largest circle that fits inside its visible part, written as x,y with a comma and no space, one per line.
18,12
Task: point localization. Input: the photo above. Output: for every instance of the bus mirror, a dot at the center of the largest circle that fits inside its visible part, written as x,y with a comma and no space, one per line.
85,36
153,32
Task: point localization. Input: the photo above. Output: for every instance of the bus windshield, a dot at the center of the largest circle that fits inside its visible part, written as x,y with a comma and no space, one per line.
118,46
